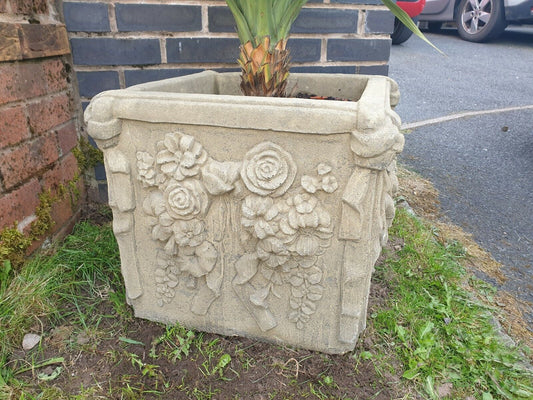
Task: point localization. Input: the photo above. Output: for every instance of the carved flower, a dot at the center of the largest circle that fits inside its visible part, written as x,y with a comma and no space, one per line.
323,168
189,233
310,183
273,252
258,214
145,165
329,184
186,199
180,156
308,225
268,170
198,261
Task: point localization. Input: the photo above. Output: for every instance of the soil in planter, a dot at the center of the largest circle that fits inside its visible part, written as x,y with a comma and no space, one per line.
304,95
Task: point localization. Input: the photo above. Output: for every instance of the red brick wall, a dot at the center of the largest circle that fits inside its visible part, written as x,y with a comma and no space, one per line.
39,114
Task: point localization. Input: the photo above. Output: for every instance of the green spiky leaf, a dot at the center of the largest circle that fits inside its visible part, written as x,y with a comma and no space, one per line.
407,21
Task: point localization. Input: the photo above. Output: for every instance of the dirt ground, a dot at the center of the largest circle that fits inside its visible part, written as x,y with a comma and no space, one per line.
122,357
102,363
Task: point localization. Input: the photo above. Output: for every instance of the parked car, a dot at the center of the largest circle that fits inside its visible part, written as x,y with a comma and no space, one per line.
477,20
413,8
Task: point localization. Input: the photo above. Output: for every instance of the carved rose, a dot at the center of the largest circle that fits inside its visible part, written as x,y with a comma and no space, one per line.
186,199
180,156
268,170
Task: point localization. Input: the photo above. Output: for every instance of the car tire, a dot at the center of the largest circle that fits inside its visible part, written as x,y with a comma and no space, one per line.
480,20
401,33
434,27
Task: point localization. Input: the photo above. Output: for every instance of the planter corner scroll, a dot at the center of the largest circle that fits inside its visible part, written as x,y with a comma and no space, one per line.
102,124
367,207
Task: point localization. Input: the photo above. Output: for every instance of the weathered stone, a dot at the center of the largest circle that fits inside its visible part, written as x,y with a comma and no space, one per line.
249,216
30,340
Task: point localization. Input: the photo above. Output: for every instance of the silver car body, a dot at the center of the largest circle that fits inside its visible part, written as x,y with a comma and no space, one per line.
443,10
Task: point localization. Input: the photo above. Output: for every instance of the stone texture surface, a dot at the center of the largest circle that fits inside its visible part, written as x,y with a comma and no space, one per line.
251,216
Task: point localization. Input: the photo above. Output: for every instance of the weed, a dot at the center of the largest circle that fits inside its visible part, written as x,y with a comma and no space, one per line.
441,333
177,341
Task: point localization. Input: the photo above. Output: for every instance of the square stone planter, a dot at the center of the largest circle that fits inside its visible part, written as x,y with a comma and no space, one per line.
252,216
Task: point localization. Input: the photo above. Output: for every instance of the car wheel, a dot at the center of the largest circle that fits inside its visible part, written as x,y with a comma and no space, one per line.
401,33
434,26
480,20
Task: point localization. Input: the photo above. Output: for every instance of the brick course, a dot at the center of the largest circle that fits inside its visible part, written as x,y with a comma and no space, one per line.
118,43
28,160
13,126
38,117
49,112
19,203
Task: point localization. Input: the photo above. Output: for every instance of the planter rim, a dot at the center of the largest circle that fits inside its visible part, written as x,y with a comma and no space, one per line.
140,103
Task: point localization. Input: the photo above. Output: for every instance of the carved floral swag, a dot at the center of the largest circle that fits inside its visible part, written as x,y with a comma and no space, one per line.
284,234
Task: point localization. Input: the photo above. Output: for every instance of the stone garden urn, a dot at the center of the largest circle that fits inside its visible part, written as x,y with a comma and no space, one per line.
251,216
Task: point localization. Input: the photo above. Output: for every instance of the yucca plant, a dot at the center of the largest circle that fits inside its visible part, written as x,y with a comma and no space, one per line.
263,27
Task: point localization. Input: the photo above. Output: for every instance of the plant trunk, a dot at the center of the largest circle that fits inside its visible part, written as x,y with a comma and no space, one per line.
264,70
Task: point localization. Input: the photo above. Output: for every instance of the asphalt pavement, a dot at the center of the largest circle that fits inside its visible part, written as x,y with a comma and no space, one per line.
469,115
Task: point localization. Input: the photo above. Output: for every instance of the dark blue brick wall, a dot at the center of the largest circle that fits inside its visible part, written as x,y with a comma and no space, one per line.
304,50
91,83
317,20
326,70
137,76
373,70
158,17
314,20
220,19
202,50
86,17
379,21
358,49
109,51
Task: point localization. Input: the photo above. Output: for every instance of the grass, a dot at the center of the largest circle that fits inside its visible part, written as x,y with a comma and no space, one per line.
442,332
435,332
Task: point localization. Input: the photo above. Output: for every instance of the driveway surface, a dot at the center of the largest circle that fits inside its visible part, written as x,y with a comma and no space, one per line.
470,117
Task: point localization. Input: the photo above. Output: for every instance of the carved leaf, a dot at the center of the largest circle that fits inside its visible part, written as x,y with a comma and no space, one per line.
214,279
159,233
259,296
207,256
219,178
246,268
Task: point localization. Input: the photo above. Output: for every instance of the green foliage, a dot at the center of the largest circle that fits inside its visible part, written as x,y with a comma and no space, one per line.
15,244
78,272
256,19
440,332
176,342
87,155
407,21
